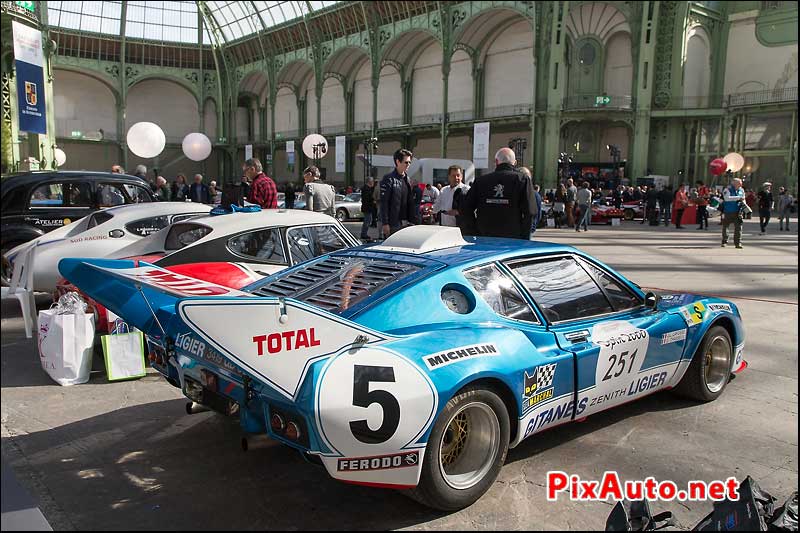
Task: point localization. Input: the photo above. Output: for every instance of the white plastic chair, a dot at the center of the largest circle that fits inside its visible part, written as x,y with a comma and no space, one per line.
21,287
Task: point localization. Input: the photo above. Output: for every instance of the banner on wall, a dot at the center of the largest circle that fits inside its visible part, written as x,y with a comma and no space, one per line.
30,78
341,153
480,145
248,151
290,156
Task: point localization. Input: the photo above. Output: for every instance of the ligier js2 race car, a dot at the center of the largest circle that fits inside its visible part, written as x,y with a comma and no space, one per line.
417,363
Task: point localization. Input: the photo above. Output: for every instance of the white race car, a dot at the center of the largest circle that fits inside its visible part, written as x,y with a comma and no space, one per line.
232,250
98,235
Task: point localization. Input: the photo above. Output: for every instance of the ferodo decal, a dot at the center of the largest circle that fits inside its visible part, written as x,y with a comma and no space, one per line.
720,307
373,401
381,462
623,348
538,385
438,360
694,313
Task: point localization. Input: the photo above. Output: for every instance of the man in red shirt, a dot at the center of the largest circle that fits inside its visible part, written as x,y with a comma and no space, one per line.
679,204
263,191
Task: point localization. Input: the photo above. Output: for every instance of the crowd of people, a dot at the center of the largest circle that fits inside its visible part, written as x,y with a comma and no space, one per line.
502,203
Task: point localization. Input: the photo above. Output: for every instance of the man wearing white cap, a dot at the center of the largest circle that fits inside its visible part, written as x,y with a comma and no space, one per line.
765,203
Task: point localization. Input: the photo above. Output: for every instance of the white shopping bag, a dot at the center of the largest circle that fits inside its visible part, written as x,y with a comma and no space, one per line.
124,354
66,344
615,221
551,223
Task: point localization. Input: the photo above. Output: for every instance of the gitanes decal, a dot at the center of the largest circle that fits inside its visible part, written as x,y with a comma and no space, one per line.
438,360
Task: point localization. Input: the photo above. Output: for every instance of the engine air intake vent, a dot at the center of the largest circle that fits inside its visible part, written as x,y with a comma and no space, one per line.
337,283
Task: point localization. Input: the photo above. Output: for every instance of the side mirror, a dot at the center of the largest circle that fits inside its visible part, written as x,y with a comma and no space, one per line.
651,300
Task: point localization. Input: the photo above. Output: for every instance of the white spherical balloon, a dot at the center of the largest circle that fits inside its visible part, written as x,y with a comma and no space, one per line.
196,146
146,139
61,157
735,161
313,140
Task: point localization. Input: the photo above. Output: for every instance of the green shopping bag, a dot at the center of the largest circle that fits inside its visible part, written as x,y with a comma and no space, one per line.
124,355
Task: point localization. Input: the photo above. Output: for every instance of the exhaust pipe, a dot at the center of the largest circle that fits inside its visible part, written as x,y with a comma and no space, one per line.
194,408
255,441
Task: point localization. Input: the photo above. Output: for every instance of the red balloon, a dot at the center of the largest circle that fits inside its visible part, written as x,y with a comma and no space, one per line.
718,167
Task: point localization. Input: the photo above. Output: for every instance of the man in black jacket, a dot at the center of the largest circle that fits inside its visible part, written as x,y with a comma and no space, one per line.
497,203
367,206
397,204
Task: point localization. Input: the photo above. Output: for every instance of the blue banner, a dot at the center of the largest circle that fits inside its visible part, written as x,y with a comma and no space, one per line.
30,98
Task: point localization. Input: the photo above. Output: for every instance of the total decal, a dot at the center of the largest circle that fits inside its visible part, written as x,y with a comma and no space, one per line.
373,407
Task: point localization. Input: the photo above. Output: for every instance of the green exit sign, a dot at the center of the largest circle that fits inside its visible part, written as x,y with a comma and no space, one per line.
26,5
602,100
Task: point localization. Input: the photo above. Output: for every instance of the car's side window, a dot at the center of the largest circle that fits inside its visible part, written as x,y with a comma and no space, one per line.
264,245
109,194
500,293
137,194
312,241
80,194
562,289
99,218
145,226
48,195
621,298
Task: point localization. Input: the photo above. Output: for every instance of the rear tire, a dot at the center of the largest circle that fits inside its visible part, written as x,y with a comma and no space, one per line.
628,214
341,214
466,450
710,369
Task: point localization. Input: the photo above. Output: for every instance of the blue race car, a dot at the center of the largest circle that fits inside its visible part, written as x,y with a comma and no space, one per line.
417,363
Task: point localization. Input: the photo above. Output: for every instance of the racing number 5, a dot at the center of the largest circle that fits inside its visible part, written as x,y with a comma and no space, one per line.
363,397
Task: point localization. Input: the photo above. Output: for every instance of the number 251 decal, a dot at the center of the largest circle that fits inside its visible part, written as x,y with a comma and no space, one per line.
372,401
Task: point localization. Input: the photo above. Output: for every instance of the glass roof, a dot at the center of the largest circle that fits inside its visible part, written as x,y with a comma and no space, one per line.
176,21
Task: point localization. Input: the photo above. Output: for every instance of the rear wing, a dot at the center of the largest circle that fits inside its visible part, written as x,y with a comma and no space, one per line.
143,295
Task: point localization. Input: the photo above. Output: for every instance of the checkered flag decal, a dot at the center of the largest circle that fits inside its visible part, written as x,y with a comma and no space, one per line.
544,376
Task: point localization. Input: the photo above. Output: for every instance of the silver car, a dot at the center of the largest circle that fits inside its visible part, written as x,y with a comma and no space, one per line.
348,207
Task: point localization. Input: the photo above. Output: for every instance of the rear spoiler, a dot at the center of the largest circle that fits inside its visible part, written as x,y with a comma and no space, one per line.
143,295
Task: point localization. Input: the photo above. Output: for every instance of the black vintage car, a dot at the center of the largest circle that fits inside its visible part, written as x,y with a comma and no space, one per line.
33,203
